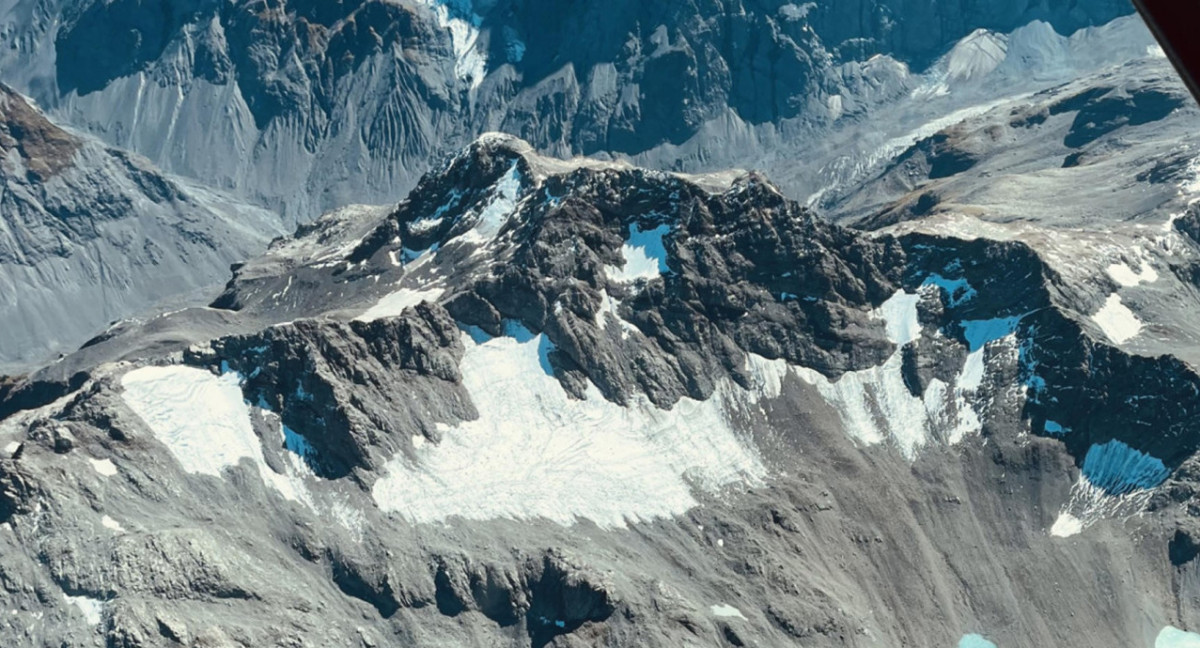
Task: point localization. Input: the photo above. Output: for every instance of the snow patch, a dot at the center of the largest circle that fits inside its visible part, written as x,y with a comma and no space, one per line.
645,255
726,611
109,523
203,420
104,466
393,304
899,313
92,609
1066,526
11,447
609,309
536,453
1117,321
958,291
875,404
1126,276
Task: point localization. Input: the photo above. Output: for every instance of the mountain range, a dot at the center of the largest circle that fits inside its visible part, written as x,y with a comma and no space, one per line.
516,322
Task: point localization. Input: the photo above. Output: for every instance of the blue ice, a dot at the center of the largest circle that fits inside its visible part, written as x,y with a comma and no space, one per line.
1172,637
298,445
979,332
520,333
651,243
1054,428
974,641
958,290
1119,469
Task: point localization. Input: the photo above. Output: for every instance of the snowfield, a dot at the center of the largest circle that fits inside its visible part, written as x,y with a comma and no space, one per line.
1117,321
205,422
536,453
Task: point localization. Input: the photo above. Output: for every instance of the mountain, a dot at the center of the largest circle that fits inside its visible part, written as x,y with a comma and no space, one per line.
90,234
305,106
564,403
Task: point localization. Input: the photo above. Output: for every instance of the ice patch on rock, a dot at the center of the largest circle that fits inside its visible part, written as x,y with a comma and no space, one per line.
393,304
536,453
1117,321
111,524
1118,469
726,611
974,641
958,291
1053,428
644,253
1115,481
1172,637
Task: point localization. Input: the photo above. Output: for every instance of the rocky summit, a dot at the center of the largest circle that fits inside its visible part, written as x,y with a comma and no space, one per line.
554,402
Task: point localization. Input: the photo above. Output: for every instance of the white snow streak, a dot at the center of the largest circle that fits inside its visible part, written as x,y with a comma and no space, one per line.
463,25
499,210
536,453
109,523
393,305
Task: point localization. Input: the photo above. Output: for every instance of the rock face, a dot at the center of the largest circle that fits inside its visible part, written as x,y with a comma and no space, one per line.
557,403
305,105
91,234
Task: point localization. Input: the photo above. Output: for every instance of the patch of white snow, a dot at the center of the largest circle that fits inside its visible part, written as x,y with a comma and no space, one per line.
393,304
104,466
644,253
535,453
726,611
92,609
1117,321
1126,276
1066,526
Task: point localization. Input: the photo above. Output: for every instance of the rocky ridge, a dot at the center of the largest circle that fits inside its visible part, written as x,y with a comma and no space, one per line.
921,424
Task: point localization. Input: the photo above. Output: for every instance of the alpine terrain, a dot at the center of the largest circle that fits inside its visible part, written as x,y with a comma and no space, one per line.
464,323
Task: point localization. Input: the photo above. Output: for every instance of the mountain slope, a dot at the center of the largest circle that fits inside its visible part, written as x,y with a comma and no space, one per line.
578,403
91,234
305,106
